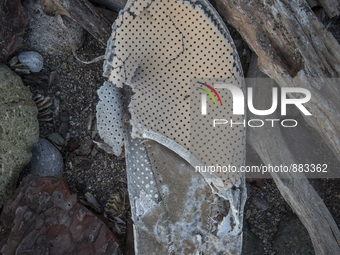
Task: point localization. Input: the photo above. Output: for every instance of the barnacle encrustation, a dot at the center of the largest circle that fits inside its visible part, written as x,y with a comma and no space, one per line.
116,209
44,108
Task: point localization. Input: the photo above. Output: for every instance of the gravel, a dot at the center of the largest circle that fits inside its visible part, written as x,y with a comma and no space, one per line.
88,169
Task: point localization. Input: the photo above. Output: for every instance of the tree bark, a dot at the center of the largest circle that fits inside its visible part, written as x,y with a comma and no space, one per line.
294,187
82,12
295,50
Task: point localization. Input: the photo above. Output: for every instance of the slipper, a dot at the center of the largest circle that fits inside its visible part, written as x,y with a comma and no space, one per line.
173,71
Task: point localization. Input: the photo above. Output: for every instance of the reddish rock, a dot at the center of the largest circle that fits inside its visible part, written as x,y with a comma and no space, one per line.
42,217
13,20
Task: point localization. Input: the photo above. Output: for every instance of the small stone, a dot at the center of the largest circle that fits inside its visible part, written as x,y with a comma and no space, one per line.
64,66
53,76
94,152
32,59
71,145
85,147
95,131
70,59
260,203
248,213
80,185
93,202
46,160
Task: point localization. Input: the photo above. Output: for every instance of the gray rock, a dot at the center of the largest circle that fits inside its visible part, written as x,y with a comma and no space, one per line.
32,59
19,130
46,160
292,237
46,35
85,147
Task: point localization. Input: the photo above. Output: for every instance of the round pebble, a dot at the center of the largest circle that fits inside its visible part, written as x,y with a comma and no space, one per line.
46,160
32,59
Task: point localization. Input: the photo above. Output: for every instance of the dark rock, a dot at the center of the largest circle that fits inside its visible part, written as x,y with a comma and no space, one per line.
53,76
44,218
46,160
251,245
292,237
13,20
85,147
80,185
71,145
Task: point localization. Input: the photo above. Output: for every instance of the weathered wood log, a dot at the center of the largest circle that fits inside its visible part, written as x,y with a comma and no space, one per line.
331,7
82,12
13,20
295,188
109,15
113,5
294,49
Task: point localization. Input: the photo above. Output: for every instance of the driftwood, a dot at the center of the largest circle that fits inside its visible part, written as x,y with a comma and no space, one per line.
113,5
13,20
295,188
82,12
331,7
294,48
111,16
